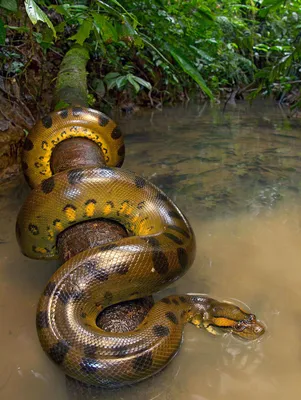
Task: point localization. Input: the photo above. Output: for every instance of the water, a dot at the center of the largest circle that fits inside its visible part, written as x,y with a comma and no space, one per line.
237,177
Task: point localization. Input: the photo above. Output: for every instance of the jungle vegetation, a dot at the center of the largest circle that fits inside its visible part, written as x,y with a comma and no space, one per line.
154,52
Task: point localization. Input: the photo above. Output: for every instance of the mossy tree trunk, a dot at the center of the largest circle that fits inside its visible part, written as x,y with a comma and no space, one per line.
71,84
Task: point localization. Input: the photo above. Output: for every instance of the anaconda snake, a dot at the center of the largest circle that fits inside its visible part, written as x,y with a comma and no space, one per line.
160,248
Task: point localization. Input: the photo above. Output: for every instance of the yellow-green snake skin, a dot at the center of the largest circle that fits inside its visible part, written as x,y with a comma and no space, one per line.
160,248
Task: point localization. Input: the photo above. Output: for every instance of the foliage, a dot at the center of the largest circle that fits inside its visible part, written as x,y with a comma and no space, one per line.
169,48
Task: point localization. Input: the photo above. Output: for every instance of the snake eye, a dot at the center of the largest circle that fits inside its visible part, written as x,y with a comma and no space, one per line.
251,318
239,327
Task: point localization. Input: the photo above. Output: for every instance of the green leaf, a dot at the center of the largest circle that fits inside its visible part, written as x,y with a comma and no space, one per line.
63,10
147,41
35,14
126,12
108,8
133,82
142,82
83,32
99,87
205,13
2,32
10,5
202,54
121,81
18,28
187,67
128,29
105,27
112,75
111,79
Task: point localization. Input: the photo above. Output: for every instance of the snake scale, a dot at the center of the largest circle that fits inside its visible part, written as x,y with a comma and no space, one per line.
160,248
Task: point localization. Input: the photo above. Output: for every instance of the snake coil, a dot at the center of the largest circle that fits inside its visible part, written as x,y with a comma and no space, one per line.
160,248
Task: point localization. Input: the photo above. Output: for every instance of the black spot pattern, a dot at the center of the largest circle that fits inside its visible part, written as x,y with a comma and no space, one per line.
76,111
47,185
180,230
100,274
152,241
103,121
141,205
69,206
175,301
121,151
173,238
49,289
172,317
28,145
59,351
182,257
90,201
121,351
90,350
183,299
161,196
56,221
47,122
160,262
63,113
89,365
44,145
33,229
66,296
140,182
75,176
160,330
143,363
166,300
116,133
42,320
174,214
121,269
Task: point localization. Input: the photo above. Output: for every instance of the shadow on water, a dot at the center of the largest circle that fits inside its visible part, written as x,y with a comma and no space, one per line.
237,177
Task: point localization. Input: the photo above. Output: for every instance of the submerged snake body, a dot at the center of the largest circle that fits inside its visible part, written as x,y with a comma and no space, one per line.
160,249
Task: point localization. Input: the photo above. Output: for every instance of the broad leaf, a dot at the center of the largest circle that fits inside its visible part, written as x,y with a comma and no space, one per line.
35,14
142,82
83,32
10,5
121,81
2,32
105,27
187,67
112,75
134,83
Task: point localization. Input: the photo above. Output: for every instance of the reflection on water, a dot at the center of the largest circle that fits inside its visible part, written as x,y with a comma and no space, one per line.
236,176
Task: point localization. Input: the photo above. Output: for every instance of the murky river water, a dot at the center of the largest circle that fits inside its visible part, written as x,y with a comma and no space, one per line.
237,177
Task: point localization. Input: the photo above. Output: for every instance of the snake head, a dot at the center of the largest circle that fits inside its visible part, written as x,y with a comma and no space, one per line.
227,317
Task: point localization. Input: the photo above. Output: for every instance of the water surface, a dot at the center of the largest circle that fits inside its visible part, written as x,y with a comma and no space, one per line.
236,175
